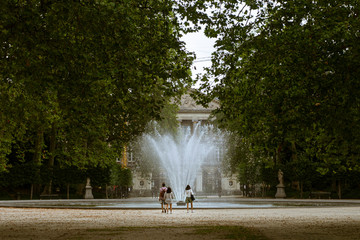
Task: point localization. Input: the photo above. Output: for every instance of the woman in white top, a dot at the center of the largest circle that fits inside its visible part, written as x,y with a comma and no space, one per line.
188,193
168,197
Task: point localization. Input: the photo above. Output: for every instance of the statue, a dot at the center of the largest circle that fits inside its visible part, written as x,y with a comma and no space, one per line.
280,193
281,177
88,182
88,190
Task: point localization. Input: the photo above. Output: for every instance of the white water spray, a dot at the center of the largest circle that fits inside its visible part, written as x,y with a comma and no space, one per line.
182,156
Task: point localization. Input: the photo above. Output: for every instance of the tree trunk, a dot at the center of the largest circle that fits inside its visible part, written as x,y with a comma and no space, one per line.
48,186
277,155
39,141
68,191
293,151
38,147
31,191
301,189
339,188
106,191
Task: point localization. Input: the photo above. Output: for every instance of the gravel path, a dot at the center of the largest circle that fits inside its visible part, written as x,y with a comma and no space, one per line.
275,223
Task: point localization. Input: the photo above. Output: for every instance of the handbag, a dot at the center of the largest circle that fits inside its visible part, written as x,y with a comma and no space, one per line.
192,197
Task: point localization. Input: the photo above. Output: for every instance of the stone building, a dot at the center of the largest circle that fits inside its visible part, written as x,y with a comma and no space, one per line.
210,180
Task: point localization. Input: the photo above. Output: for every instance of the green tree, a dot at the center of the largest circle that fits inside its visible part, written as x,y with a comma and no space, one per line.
85,77
121,180
287,74
121,176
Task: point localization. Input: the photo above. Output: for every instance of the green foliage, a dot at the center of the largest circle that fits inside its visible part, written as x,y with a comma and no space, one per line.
97,71
287,77
169,122
120,176
99,176
79,80
68,175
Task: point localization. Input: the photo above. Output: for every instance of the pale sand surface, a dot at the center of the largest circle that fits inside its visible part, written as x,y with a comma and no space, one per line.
275,223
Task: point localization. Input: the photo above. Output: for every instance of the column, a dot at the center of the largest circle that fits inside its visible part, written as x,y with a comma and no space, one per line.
194,122
199,182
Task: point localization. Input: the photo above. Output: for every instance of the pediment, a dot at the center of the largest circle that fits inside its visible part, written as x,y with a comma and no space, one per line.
187,103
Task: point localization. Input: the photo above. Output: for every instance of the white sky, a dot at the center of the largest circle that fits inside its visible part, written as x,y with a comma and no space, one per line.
203,47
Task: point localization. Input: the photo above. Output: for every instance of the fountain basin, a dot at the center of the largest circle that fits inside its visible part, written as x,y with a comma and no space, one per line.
180,203
152,203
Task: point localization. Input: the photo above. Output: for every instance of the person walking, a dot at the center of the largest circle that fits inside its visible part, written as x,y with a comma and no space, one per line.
189,194
169,196
162,197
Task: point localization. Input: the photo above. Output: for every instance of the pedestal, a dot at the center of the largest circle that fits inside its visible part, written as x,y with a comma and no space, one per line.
88,192
280,193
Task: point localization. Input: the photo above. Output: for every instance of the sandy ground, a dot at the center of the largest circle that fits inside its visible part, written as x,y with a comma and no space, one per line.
281,223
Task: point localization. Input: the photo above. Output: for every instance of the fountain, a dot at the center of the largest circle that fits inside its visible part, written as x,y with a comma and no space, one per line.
182,155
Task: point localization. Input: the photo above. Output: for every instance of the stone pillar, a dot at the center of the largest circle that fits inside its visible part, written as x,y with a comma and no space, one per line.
88,190
194,122
198,183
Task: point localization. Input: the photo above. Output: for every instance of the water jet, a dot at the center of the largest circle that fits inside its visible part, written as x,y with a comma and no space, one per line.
182,155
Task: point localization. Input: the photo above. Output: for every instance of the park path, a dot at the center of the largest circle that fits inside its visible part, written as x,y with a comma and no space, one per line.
330,223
